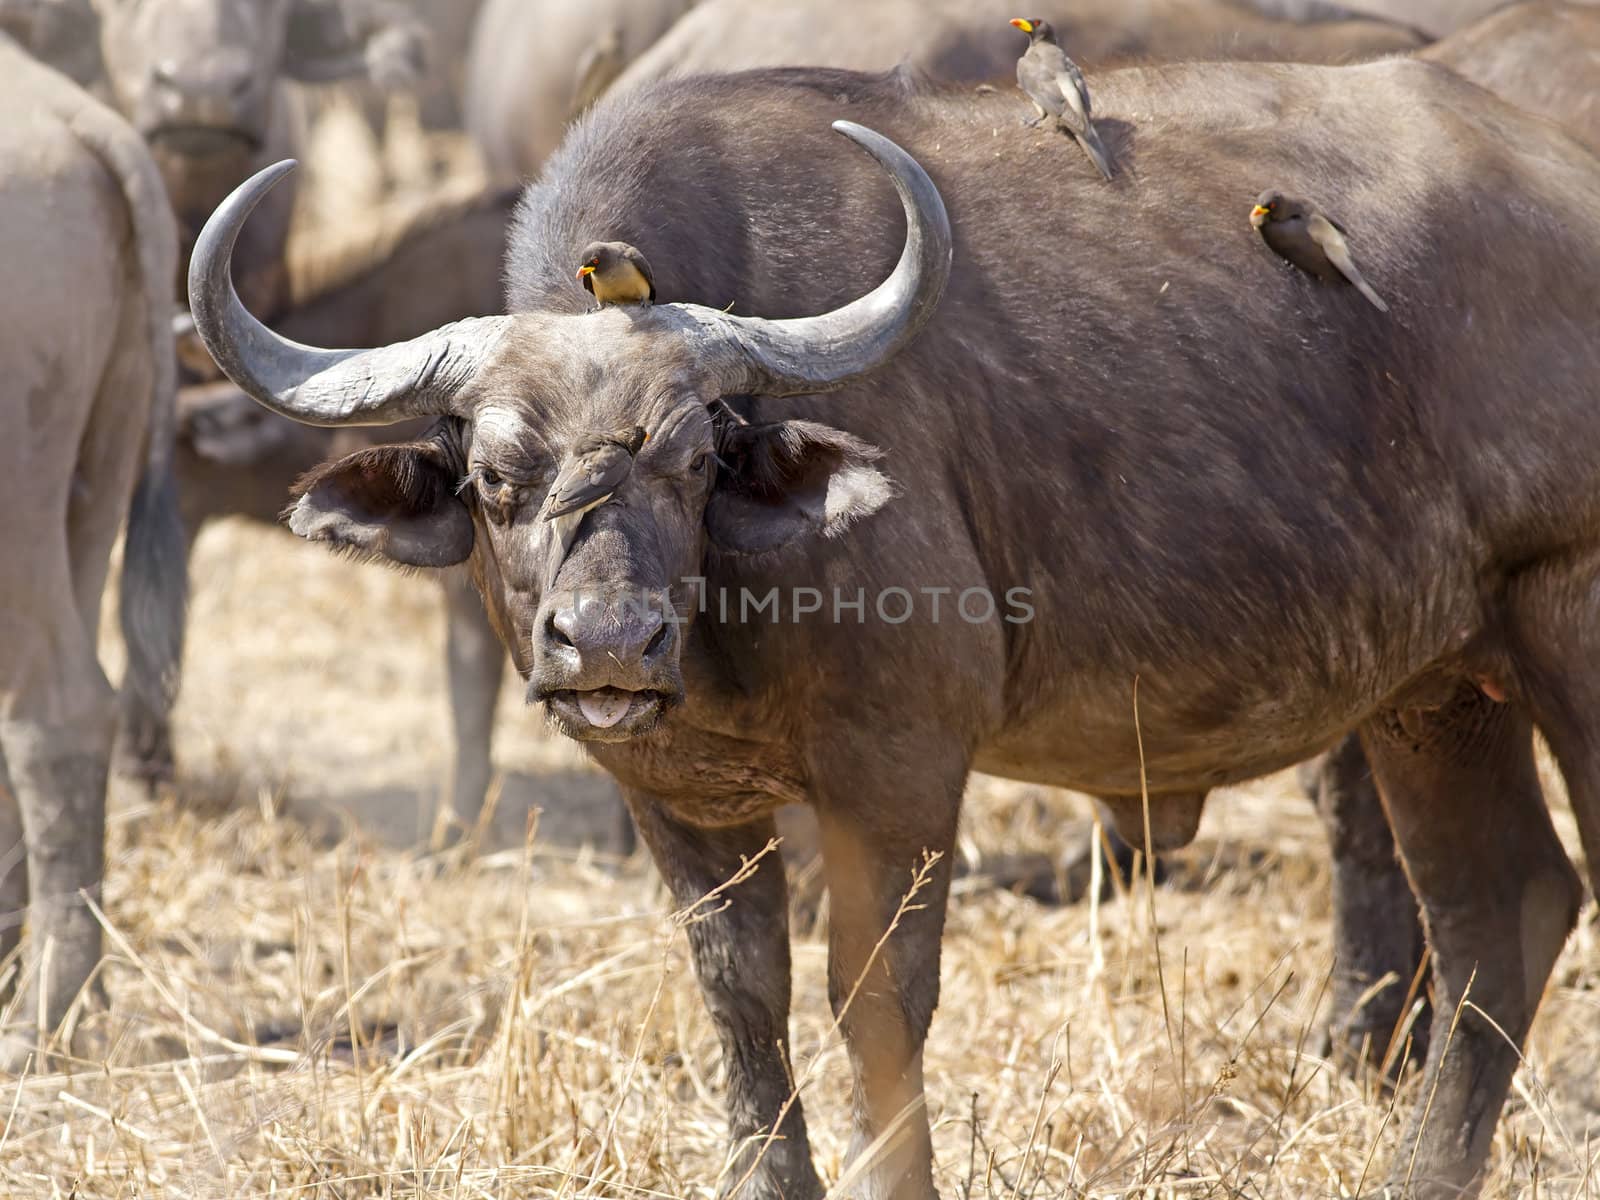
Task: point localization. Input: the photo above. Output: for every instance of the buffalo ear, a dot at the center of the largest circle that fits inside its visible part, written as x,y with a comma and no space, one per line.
395,502
788,480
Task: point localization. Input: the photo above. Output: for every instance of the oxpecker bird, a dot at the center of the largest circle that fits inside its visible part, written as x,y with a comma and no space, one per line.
1055,85
1315,243
597,467
616,273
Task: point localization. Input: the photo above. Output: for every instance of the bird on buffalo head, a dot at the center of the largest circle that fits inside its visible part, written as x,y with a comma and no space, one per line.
616,273
1055,85
598,465
1315,243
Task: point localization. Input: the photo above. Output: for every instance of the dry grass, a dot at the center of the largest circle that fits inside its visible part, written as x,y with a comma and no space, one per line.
304,1017
311,1016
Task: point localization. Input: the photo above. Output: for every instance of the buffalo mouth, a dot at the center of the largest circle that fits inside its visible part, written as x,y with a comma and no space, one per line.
607,714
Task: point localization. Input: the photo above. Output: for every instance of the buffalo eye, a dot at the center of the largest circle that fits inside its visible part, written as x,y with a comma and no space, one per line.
489,478
698,463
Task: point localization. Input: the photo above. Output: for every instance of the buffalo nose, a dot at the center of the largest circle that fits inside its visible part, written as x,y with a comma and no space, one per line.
610,639
221,76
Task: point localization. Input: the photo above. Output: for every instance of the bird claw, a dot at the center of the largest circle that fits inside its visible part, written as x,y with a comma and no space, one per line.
1033,124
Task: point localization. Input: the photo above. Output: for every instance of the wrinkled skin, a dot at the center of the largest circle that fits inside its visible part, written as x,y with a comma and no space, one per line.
1393,510
86,394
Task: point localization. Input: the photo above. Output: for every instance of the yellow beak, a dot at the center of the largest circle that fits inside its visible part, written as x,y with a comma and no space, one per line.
1258,211
584,271
1025,26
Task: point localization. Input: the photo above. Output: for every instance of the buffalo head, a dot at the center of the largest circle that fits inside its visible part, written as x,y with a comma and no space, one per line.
593,623
196,77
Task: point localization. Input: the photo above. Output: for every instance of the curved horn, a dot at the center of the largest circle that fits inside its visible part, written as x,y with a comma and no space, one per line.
322,387
818,354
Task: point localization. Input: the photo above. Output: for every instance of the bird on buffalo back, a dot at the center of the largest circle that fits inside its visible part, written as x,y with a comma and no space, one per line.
616,273
1315,243
1057,88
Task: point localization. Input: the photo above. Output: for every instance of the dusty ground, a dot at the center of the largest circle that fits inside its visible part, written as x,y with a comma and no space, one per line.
304,1005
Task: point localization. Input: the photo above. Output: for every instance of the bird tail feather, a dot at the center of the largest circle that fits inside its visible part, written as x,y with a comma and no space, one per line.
1096,151
1365,289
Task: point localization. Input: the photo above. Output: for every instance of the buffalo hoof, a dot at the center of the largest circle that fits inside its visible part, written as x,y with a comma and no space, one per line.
781,1172
143,752
1369,1041
150,773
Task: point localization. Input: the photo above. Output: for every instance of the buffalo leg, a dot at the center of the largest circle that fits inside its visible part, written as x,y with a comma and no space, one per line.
1377,933
884,988
1556,636
475,662
57,744
13,876
741,957
1498,899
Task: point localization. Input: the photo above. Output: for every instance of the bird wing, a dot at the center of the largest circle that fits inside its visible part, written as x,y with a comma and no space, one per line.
1079,85
1331,238
1328,235
587,480
643,267
1038,80
1075,110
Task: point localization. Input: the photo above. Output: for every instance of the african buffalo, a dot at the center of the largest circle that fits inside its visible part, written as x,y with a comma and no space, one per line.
1392,509
534,65
204,81
86,393
1543,56
1540,56
969,41
207,82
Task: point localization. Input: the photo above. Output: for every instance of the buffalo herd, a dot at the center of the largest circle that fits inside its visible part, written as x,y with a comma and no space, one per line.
959,458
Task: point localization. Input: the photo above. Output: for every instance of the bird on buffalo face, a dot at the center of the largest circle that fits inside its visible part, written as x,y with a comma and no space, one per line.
616,273
1055,85
1296,231
597,467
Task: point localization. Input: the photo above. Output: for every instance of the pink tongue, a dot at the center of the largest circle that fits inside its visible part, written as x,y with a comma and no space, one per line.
606,707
